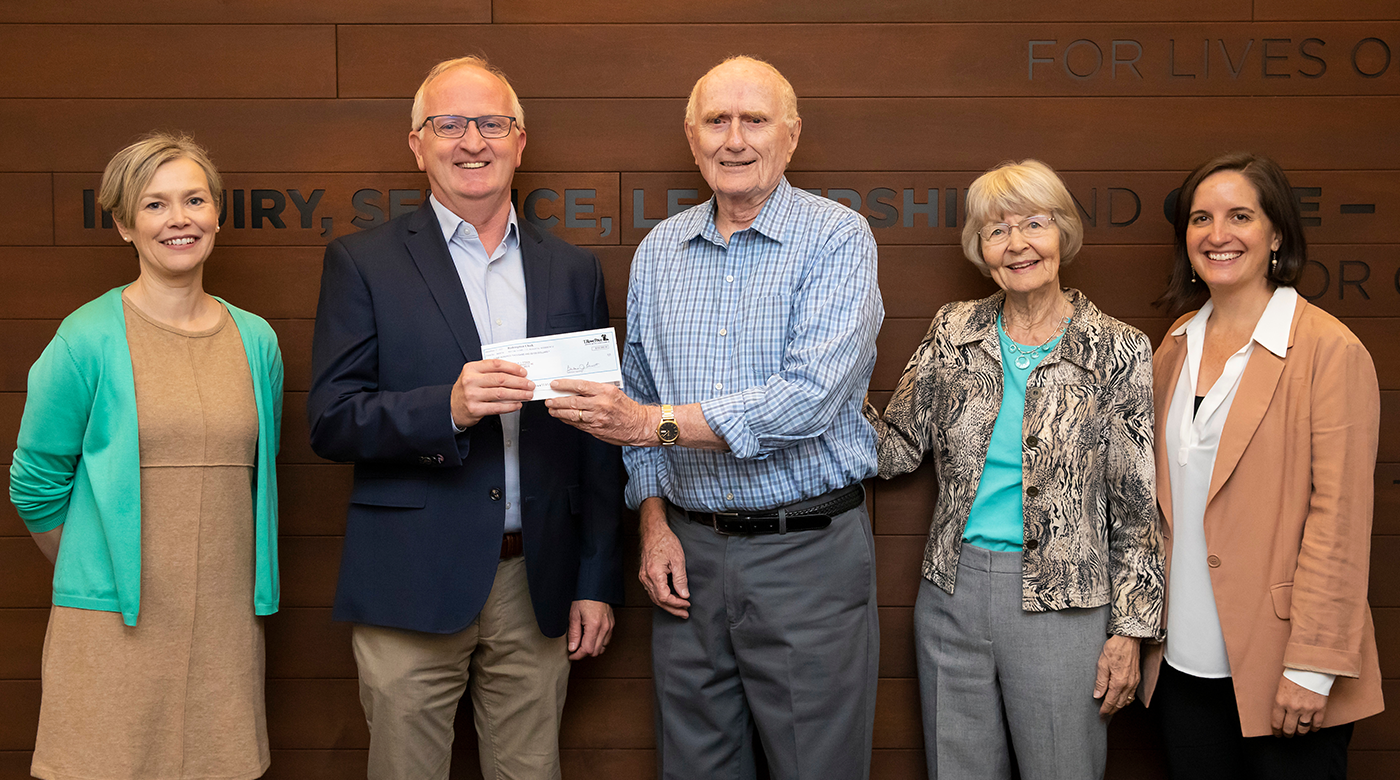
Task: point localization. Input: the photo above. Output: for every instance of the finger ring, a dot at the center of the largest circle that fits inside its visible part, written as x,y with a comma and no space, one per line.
579,413
1304,723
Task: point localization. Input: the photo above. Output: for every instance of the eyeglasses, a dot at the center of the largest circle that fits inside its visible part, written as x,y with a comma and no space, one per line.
1031,228
450,126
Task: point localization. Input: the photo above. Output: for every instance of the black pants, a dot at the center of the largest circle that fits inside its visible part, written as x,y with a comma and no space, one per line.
1200,727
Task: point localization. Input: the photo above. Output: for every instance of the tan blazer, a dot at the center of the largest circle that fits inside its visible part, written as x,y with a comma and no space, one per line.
1288,519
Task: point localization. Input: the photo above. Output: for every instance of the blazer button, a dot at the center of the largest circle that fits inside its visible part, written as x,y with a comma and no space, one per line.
1032,442
426,460
1032,491
1214,561
495,494
1031,544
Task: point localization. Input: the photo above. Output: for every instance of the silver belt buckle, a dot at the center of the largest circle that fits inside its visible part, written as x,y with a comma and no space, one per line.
717,516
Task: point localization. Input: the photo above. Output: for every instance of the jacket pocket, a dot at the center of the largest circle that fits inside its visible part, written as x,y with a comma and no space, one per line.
1282,594
402,493
567,323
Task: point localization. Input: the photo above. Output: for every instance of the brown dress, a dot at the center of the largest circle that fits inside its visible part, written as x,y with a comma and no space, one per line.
180,694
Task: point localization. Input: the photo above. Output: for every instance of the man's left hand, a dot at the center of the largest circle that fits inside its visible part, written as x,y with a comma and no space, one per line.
1297,710
590,628
603,411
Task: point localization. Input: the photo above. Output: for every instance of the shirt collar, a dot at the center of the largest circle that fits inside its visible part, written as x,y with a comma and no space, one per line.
451,223
771,222
1271,332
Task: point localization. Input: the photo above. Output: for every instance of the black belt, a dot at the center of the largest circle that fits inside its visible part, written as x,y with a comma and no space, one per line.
809,515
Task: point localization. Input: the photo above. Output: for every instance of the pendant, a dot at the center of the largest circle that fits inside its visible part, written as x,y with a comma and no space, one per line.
1022,361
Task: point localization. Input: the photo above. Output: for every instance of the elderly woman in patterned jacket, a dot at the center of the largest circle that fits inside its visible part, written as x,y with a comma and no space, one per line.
1044,563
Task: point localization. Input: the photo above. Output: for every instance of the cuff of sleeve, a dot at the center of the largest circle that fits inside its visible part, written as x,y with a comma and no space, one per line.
453,423
726,418
1317,682
643,474
1136,627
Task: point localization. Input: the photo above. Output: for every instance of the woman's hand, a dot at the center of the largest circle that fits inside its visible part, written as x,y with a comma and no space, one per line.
1118,675
1297,710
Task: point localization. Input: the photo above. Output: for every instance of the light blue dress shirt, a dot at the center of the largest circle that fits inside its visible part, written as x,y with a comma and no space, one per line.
773,333
495,288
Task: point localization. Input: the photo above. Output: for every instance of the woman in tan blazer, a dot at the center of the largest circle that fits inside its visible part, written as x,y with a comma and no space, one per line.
1267,416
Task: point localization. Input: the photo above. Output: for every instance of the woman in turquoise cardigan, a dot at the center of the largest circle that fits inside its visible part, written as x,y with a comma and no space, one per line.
146,472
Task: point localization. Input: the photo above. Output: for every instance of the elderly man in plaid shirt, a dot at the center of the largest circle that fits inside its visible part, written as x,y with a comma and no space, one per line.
751,323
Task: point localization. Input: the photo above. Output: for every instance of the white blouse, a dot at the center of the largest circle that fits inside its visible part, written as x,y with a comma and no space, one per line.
1195,643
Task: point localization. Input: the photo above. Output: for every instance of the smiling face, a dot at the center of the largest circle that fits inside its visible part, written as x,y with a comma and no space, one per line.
470,175
741,137
1022,266
174,222
1228,238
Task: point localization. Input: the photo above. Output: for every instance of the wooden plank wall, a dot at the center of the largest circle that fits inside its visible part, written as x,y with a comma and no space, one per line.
305,108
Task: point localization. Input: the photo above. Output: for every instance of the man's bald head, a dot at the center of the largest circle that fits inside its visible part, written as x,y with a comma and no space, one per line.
759,69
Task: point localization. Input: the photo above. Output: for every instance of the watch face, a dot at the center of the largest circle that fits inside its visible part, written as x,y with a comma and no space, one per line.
668,431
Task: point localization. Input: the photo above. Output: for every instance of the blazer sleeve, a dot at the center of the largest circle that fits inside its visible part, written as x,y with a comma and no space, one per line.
352,418
1328,609
1137,558
906,432
51,432
600,538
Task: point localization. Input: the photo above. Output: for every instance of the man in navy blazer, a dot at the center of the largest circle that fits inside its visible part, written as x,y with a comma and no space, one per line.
455,474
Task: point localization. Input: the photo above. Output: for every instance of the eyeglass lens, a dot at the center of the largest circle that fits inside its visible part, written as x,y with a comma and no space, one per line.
491,126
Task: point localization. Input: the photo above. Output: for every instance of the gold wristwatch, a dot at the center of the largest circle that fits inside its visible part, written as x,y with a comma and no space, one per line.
667,430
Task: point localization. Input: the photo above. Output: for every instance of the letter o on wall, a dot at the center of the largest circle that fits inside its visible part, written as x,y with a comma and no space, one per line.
1098,58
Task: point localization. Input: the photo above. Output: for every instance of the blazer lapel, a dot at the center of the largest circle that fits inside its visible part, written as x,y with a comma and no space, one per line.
537,262
1256,391
1168,362
429,251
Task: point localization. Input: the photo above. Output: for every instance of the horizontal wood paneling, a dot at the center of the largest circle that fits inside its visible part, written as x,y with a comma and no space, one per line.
21,699
1337,9
1381,732
976,60
731,11
1387,500
26,208
204,61
914,133
254,11
21,652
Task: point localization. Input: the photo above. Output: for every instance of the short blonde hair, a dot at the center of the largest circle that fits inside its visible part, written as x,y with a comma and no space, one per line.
470,61
131,169
785,91
1025,187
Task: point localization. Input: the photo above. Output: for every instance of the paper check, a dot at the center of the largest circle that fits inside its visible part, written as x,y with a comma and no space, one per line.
585,354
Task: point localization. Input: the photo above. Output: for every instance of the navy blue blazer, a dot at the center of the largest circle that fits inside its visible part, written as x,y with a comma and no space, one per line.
423,531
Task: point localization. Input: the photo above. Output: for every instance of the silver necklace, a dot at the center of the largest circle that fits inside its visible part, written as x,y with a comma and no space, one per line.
1025,356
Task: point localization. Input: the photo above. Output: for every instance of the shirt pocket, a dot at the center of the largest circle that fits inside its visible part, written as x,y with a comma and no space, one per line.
762,335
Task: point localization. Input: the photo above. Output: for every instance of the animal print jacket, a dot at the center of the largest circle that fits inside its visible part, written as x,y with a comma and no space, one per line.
1092,534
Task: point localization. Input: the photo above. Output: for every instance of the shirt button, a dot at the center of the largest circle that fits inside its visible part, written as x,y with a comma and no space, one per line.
507,443
729,278
495,494
1032,491
719,385
498,322
724,331
507,505
728,496
1032,442
1214,561
1031,544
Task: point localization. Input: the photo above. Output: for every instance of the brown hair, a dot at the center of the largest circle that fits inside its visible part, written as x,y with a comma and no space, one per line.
1280,207
131,169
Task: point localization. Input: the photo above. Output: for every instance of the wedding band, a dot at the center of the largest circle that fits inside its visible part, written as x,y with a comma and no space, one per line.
1304,723
579,413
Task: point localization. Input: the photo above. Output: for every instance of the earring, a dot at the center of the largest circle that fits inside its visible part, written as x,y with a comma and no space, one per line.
1273,261
1193,275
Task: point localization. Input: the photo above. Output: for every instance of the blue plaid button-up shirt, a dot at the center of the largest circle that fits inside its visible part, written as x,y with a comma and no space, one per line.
773,334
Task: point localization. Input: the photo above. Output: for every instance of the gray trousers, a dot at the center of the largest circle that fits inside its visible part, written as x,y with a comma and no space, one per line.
783,641
986,665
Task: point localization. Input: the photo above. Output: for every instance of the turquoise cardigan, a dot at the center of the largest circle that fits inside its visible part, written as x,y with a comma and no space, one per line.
78,463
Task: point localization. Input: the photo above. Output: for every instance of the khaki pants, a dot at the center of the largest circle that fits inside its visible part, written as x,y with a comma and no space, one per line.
411,682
